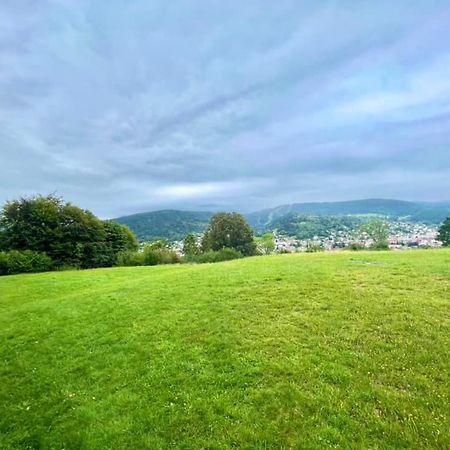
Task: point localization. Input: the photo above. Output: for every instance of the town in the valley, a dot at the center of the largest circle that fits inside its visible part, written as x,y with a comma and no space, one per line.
402,236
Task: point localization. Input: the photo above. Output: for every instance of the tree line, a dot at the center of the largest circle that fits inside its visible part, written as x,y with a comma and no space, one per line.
46,233
54,234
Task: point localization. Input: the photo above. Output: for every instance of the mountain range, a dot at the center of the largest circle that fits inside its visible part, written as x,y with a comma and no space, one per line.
175,224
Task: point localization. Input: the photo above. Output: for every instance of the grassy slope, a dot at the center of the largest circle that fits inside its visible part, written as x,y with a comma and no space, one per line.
304,351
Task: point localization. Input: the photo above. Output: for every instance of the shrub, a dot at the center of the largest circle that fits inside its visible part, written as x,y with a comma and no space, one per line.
356,246
155,254
26,261
224,254
129,259
380,245
168,257
149,257
65,268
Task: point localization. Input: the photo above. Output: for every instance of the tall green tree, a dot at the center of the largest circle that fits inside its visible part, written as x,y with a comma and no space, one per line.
229,230
120,237
444,233
68,234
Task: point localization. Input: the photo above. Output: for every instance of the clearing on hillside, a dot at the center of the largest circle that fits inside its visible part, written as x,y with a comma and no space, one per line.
347,350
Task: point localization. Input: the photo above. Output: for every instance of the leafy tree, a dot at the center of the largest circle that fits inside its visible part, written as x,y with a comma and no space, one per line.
190,246
69,235
266,243
444,233
229,230
30,224
378,231
119,239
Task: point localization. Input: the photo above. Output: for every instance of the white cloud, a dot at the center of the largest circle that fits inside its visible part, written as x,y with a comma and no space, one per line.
427,88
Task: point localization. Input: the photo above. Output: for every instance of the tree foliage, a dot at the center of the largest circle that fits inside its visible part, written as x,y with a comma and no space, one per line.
444,233
229,230
378,231
69,235
190,246
266,243
26,261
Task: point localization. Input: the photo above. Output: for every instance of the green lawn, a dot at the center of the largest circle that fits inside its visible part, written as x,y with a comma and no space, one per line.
345,350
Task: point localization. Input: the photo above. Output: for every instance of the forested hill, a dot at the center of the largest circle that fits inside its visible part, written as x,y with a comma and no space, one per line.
175,224
167,224
413,211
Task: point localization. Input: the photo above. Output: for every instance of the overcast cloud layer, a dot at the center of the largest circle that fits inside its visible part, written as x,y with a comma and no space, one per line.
123,106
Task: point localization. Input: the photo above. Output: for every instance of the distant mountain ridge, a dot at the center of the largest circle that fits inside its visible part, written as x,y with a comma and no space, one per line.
414,211
175,224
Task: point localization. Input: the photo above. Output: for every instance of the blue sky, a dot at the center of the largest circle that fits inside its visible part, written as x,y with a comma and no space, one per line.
123,106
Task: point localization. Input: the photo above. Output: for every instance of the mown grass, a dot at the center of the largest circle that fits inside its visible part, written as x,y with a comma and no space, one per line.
345,350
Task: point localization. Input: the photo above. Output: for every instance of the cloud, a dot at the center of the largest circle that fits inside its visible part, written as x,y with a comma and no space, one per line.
132,106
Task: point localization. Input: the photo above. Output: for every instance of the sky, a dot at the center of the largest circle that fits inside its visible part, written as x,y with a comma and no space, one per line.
126,106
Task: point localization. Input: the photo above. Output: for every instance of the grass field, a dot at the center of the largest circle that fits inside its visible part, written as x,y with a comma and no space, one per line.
345,350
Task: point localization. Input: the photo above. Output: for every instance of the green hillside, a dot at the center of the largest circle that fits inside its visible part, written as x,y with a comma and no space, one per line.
174,224
433,213
167,224
335,350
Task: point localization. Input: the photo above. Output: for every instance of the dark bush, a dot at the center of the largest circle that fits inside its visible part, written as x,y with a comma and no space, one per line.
26,261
